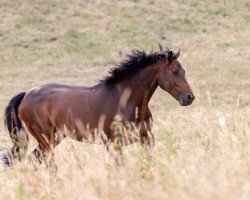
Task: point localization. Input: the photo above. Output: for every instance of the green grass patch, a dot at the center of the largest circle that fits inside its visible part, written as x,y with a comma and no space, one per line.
84,43
33,20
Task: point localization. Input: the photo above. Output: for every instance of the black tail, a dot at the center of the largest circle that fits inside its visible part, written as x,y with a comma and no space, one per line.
13,123
11,120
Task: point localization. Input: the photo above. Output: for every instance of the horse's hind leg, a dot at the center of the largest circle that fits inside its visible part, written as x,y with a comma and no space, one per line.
44,151
42,156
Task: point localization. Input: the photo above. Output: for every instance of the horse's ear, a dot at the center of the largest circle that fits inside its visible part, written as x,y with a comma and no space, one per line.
177,54
160,47
170,56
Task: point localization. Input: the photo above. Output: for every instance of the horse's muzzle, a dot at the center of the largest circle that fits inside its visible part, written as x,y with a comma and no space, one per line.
186,99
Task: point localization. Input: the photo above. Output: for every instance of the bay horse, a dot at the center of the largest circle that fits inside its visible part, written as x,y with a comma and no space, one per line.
77,111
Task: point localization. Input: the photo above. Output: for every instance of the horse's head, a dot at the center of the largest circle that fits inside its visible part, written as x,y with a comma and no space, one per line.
172,79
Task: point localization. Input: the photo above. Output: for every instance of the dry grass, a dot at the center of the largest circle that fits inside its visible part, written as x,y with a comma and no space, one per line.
202,151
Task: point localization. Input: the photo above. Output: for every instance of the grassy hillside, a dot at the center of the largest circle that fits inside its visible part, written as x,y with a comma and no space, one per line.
202,151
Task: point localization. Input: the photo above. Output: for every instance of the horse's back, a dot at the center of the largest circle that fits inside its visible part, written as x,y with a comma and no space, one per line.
51,88
42,95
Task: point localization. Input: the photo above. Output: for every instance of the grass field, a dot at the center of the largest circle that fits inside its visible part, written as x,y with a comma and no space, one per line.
202,151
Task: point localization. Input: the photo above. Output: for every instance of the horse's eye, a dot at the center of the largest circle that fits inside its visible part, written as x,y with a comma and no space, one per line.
175,72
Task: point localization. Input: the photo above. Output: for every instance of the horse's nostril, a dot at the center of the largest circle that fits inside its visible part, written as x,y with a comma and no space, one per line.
189,96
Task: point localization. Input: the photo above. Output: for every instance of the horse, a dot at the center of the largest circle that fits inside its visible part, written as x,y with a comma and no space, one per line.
78,111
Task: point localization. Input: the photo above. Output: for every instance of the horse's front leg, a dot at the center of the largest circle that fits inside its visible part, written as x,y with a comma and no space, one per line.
115,149
146,137
116,152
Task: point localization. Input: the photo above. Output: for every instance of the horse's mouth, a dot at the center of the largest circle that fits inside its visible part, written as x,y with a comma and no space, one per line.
186,100
183,103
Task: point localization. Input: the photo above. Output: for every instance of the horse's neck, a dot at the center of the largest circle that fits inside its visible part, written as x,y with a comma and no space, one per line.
143,105
145,84
142,87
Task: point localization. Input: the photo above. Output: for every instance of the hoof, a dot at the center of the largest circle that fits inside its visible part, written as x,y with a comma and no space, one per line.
6,158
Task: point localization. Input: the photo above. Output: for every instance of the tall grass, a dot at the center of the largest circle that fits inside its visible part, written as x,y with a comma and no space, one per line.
198,155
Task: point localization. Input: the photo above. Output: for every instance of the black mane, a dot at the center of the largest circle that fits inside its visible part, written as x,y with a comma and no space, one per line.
135,61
